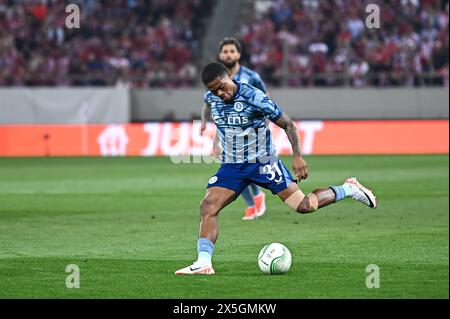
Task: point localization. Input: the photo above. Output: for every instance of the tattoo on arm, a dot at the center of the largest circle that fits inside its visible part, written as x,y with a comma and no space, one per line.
289,127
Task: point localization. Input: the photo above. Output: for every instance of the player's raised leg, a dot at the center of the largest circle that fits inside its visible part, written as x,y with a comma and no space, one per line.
297,200
215,200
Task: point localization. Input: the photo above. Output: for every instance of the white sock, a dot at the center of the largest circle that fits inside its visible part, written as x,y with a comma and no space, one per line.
204,259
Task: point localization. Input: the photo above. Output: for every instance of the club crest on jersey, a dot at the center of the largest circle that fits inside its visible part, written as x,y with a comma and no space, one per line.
238,106
212,180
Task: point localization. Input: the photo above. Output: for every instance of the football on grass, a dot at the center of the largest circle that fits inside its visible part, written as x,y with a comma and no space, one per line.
274,258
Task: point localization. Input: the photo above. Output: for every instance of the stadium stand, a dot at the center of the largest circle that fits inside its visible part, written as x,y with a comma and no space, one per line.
326,43
144,43
158,43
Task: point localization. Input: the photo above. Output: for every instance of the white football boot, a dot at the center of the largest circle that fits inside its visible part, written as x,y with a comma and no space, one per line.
360,193
196,269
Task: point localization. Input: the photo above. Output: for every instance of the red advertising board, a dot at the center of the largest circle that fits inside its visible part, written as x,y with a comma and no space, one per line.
163,139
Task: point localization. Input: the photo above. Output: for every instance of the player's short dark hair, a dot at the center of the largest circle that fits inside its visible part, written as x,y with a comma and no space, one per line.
212,71
230,40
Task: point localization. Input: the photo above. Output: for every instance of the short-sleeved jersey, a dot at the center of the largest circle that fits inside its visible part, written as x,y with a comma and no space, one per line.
242,126
245,75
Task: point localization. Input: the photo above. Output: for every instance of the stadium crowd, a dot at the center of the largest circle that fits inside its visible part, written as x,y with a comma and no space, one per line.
328,43
156,43
145,43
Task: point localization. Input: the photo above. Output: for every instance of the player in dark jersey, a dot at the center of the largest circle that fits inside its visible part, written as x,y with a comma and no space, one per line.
249,156
229,55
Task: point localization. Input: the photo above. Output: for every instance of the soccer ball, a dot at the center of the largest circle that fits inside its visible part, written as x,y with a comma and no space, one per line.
274,258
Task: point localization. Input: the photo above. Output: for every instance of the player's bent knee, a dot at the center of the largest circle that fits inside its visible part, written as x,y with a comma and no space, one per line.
304,207
295,199
309,204
314,202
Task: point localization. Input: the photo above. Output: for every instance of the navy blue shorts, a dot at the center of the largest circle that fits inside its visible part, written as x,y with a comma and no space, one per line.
237,176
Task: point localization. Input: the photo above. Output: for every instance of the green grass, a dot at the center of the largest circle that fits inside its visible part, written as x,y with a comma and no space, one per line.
129,223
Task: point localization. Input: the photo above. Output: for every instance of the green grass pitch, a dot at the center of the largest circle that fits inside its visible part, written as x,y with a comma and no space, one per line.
129,223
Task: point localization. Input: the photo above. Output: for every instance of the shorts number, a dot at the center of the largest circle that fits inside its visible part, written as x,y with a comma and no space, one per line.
273,170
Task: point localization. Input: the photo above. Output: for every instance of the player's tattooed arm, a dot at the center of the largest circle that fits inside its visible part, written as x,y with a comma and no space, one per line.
289,127
298,163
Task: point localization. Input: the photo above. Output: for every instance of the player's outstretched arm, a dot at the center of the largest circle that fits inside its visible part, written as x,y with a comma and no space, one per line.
299,165
204,116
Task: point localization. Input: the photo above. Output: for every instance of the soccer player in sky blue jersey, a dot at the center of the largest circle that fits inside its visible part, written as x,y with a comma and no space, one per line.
229,55
248,156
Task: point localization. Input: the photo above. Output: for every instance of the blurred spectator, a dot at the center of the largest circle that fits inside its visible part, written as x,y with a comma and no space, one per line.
358,71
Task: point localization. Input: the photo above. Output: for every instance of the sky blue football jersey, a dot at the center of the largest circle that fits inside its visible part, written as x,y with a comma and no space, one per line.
241,124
